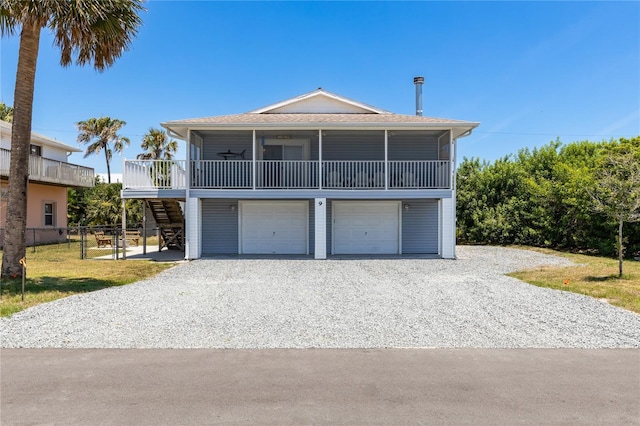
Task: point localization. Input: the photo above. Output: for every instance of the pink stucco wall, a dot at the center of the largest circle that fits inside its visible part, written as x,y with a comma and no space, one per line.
37,195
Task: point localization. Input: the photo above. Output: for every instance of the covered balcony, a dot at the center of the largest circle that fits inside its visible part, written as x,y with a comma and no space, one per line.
51,171
288,174
340,160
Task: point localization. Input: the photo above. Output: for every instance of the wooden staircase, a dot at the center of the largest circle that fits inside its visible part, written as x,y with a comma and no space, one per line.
168,216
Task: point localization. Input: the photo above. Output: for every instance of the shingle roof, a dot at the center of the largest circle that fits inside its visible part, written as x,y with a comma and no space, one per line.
300,119
317,109
5,129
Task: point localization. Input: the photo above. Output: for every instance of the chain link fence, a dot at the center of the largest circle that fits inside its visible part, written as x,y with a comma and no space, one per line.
83,242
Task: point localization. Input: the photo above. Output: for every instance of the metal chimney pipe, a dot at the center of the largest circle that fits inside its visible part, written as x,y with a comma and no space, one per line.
418,81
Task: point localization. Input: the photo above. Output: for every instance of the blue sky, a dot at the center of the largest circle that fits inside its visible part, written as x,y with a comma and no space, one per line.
529,72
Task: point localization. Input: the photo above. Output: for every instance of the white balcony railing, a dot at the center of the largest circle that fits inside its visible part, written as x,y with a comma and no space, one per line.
51,171
420,174
354,174
222,174
154,174
289,174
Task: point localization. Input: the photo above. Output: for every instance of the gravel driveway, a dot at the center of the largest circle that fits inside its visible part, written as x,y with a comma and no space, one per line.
361,303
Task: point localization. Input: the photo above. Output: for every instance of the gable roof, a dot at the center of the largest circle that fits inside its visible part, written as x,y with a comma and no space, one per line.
319,101
319,109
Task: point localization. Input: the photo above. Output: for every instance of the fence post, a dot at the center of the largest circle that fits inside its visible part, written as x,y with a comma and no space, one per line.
83,243
34,240
144,226
115,237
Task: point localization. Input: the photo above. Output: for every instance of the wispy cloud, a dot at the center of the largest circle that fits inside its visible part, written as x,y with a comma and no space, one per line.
498,127
612,129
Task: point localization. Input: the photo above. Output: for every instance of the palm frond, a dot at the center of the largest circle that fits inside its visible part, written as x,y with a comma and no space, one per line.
156,145
95,31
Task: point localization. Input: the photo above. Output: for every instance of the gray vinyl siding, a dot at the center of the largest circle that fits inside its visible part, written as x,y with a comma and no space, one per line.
219,227
230,141
412,146
314,148
444,148
337,146
420,227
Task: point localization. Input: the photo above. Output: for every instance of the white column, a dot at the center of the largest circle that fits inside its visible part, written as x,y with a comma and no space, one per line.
192,228
448,228
320,228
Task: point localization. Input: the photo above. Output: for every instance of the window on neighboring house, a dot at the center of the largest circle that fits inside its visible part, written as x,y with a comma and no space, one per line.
35,150
49,214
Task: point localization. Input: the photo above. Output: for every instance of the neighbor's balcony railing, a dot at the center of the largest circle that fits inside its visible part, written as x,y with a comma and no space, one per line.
51,171
289,174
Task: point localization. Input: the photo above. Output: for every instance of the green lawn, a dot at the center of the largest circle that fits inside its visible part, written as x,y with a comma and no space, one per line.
592,276
57,271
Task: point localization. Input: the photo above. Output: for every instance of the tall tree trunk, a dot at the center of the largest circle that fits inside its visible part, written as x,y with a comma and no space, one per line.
106,156
620,249
16,223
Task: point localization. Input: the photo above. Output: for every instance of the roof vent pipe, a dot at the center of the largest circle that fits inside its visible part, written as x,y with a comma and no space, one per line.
418,81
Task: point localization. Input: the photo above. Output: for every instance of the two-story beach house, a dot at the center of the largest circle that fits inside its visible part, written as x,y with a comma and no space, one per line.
317,175
49,177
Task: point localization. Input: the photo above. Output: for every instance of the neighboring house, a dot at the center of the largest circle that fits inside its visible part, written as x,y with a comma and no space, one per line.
49,177
319,174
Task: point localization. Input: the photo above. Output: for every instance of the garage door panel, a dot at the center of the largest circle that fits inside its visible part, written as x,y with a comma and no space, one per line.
366,227
274,227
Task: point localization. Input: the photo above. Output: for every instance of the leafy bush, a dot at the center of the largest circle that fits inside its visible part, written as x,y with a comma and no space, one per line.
541,197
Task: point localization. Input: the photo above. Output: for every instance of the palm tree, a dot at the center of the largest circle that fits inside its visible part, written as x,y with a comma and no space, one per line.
99,133
161,150
156,146
94,32
6,112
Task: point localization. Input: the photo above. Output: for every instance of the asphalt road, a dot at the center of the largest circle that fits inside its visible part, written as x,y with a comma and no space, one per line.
319,386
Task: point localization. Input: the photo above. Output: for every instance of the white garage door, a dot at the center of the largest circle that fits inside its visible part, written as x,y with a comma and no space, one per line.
274,227
366,227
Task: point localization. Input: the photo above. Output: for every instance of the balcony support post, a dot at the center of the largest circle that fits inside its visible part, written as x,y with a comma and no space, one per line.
386,159
253,160
453,146
320,159
124,231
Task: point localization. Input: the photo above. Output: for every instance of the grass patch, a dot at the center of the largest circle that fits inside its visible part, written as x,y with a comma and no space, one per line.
56,271
592,276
